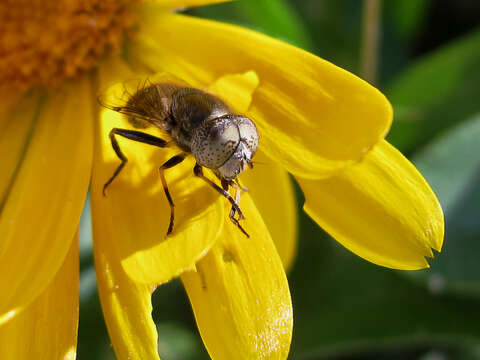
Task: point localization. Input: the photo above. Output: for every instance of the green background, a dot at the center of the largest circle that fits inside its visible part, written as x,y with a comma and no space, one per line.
345,307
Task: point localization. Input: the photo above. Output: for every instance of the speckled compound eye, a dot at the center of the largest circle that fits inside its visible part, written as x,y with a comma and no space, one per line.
245,150
248,133
215,141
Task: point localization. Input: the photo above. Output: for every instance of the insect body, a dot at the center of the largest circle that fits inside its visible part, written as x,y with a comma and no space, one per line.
199,124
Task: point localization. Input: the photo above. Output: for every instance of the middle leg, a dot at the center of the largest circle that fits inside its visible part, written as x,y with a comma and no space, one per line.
177,159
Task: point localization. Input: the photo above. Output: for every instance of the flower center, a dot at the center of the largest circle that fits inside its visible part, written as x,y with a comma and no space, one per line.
44,42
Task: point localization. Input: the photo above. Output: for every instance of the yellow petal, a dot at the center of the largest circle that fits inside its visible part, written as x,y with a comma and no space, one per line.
272,191
239,294
381,209
47,328
182,4
16,125
236,89
313,117
126,305
135,214
269,185
44,203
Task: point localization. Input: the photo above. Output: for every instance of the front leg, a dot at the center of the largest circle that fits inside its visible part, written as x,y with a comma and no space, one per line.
197,170
237,187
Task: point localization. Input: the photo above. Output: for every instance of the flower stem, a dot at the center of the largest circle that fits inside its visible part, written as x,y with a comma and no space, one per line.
370,35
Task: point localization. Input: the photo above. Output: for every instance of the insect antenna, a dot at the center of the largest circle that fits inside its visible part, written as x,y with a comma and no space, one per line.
258,163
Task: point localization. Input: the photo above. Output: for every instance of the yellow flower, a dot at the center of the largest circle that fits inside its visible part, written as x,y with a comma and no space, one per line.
316,121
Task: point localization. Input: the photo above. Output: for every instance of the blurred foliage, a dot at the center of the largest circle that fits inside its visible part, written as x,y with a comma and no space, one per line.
346,308
407,16
452,166
436,93
343,303
282,21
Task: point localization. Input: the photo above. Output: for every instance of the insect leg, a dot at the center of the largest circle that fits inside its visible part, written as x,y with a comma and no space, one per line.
240,186
237,187
233,210
177,159
132,135
197,170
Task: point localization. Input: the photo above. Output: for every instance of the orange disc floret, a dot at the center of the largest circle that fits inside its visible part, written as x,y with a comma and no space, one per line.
45,42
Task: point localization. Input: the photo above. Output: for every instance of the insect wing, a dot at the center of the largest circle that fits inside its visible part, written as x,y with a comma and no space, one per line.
121,98
144,101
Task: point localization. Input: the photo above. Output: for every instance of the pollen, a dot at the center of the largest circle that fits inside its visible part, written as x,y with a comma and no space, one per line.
44,42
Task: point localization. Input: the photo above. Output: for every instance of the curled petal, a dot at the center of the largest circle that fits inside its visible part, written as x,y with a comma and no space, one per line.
381,209
239,294
135,213
126,305
236,89
313,117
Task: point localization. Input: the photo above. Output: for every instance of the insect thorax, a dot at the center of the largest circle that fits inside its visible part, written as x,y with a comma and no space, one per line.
190,108
198,123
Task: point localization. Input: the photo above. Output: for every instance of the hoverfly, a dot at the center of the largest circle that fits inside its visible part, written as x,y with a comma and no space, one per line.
200,124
